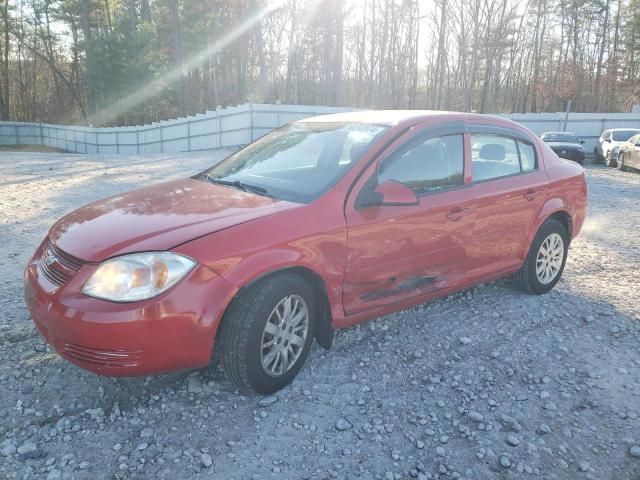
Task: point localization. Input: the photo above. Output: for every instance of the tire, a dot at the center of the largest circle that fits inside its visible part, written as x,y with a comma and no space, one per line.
244,330
610,162
527,278
620,163
598,156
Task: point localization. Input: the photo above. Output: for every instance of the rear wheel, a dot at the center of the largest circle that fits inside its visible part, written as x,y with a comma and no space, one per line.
267,332
545,261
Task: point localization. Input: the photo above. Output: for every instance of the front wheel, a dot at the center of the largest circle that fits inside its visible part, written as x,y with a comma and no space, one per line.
598,156
545,261
609,161
620,163
267,332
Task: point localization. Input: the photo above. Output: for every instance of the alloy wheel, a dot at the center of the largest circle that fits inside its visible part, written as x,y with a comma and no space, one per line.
284,335
549,259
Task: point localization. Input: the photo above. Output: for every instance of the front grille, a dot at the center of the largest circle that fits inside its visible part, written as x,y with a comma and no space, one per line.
58,266
102,357
567,153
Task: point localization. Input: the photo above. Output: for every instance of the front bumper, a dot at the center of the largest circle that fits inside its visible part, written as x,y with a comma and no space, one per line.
173,331
575,155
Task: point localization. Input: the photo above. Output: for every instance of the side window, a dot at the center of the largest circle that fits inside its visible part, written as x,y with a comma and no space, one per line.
493,156
432,164
527,156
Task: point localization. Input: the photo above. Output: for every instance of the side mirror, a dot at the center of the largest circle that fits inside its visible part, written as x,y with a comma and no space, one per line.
388,193
396,193
581,141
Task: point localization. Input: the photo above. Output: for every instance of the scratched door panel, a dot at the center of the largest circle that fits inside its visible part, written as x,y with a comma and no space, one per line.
397,253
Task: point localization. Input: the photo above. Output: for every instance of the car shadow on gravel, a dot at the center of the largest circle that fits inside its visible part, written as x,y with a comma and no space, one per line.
521,363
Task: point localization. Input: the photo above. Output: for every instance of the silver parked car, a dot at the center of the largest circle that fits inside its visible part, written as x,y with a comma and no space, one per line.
606,150
629,153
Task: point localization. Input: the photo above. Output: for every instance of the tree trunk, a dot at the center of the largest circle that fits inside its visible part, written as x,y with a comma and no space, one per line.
89,57
177,56
5,61
262,62
338,54
291,52
603,46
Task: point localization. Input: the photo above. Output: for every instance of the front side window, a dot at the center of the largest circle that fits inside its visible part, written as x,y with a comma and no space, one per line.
432,164
623,135
298,162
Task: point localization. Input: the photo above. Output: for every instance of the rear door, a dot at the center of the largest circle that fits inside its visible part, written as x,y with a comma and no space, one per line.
634,149
509,186
400,252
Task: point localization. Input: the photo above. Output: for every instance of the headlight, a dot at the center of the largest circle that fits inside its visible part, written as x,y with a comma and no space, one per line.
138,276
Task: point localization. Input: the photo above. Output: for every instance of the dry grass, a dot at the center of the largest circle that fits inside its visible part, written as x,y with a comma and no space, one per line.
31,148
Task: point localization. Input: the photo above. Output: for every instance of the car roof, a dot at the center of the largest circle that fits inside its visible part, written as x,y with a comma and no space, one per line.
558,133
623,129
394,117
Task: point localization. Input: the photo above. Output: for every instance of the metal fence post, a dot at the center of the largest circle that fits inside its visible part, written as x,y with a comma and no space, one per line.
566,115
188,135
17,134
117,143
161,141
251,122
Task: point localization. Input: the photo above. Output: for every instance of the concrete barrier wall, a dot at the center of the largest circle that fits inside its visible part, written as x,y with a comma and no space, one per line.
235,126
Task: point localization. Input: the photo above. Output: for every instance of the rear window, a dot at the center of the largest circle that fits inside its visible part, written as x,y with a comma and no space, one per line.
495,156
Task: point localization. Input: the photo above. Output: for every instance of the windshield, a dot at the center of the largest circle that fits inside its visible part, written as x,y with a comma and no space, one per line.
560,137
298,162
624,135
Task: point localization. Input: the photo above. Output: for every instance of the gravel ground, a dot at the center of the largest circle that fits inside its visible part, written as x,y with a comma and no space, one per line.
487,383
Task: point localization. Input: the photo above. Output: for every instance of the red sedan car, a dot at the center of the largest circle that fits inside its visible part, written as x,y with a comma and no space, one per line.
319,225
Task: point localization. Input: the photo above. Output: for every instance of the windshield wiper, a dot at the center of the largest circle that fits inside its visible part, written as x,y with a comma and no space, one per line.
245,187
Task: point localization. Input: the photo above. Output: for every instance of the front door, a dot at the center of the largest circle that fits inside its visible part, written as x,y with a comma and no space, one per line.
634,152
400,252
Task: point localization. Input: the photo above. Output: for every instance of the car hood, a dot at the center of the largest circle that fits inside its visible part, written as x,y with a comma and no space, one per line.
566,145
157,218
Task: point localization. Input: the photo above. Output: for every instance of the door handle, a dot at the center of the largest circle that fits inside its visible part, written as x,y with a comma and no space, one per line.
531,194
458,212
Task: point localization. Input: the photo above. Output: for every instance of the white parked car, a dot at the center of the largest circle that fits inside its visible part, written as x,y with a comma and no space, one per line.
610,141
